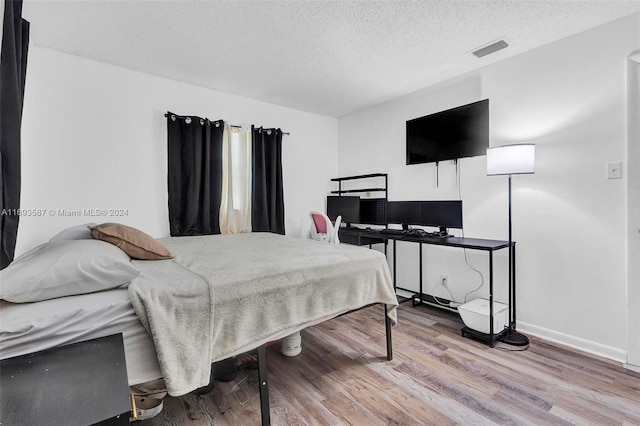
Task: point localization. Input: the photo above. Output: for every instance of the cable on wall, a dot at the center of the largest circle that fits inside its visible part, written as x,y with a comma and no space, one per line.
457,165
466,260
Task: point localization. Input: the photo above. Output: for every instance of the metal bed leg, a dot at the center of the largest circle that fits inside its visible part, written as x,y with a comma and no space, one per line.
387,325
263,386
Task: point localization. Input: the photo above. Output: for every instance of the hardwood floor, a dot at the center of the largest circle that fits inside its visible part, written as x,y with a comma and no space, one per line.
436,377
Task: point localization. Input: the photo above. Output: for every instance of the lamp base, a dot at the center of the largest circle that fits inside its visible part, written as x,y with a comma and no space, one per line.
512,337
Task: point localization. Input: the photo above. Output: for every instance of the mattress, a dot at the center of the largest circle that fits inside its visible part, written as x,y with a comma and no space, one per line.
31,327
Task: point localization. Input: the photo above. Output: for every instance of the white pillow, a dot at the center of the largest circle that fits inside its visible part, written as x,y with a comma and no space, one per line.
78,232
64,268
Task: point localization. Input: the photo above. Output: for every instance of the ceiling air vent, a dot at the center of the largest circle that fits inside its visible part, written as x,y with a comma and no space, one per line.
493,47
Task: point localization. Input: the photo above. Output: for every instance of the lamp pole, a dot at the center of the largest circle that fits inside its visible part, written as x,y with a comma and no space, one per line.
508,160
512,337
511,298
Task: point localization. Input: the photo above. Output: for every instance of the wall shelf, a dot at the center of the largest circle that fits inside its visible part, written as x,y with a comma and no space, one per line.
359,177
361,190
347,191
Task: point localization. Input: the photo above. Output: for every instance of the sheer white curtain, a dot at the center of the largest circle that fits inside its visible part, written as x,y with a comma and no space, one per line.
235,207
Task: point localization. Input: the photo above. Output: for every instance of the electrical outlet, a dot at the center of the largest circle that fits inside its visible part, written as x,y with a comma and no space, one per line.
444,280
614,170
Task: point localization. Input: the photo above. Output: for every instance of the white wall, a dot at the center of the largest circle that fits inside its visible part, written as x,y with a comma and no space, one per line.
569,220
94,136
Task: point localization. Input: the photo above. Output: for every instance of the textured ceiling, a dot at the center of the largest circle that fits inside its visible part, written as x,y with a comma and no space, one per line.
329,57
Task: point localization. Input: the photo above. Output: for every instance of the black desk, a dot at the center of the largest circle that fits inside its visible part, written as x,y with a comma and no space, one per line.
79,384
358,236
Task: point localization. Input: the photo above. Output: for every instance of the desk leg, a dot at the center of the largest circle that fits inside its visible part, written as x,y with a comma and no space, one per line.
513,287
264,387
491,335
394,266
420,265
512,337
387,326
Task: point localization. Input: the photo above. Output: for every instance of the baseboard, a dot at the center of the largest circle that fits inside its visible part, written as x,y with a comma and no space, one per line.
404,293
584,345
635,368
581,344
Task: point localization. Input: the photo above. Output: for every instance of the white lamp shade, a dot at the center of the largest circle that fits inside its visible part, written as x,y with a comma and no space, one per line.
511,159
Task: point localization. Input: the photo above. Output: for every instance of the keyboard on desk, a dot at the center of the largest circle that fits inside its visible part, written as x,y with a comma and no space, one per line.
412,233
392,231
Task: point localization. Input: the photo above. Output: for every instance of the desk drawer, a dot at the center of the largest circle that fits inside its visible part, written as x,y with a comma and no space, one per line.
358,240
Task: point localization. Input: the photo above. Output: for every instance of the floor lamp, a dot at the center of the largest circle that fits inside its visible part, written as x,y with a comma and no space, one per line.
512,160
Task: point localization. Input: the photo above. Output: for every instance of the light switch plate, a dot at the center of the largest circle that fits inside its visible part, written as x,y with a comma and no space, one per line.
614,170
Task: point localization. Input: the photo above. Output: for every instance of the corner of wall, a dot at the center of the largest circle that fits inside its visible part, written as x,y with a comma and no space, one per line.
633,205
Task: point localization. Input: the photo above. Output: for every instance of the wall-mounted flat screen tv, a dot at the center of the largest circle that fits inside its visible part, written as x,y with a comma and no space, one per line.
447,135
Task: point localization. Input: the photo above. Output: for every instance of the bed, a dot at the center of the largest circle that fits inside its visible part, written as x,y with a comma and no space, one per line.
33,327
219,296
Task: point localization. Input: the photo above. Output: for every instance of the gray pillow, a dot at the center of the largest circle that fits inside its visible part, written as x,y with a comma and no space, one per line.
78,232
64,268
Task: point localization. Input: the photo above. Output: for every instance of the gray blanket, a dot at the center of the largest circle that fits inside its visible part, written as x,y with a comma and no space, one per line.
226,294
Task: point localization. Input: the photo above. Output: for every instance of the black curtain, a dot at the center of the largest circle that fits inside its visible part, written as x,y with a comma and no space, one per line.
267,199
13,69
194,148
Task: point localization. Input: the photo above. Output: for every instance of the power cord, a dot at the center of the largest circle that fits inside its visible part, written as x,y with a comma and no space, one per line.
448,305
452,303
455,162
473,269
466,260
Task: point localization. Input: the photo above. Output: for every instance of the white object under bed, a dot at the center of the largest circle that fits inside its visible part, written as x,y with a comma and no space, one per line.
32,327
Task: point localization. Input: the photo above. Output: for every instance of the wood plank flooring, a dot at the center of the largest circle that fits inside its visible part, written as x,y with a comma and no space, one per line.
436,377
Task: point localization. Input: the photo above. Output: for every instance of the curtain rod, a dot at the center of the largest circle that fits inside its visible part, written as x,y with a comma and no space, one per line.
187,119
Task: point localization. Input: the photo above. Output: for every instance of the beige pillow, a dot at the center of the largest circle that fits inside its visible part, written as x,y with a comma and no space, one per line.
132,241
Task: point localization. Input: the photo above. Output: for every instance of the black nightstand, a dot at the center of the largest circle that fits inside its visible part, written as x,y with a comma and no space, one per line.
79,384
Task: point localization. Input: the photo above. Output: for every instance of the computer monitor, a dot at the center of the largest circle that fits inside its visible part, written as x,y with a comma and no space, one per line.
404,212
373,211
346,206
443,214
